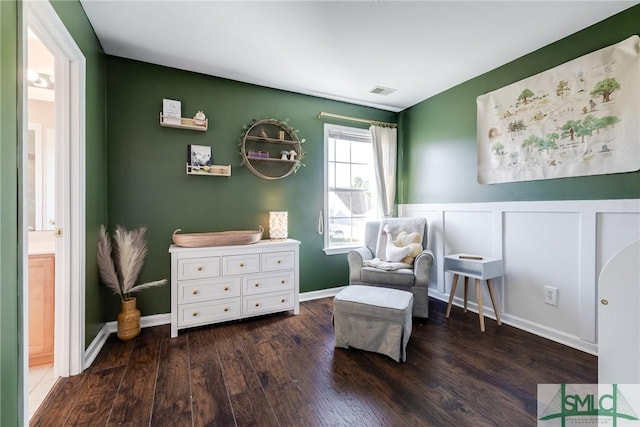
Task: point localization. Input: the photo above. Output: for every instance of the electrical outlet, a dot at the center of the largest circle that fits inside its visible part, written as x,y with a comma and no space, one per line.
551,295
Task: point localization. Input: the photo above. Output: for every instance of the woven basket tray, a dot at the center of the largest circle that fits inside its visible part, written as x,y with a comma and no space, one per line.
218,238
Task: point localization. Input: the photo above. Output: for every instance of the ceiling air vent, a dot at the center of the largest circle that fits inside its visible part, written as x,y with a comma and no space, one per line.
379,90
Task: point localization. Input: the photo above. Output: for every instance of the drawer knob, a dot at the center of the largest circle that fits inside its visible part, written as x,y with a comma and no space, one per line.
282,300
257,304
226,309
194,314
226,288
199,268
279,261
604,301
283,281
194,292
256,285
242,264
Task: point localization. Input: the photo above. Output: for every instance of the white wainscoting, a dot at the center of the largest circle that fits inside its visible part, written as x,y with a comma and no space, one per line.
563,244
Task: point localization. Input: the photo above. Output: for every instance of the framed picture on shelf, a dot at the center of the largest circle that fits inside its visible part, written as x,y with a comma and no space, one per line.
199,156
171,111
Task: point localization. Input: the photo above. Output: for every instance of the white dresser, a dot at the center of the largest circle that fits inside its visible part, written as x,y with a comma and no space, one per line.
217,284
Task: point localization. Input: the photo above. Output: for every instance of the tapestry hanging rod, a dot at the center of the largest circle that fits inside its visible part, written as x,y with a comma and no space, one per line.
355,119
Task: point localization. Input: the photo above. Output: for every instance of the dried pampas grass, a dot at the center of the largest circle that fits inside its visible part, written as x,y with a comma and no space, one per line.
120,265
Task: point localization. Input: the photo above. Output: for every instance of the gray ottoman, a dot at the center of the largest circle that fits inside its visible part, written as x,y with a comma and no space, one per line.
374,319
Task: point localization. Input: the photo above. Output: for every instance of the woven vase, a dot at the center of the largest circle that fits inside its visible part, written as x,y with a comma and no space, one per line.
128,320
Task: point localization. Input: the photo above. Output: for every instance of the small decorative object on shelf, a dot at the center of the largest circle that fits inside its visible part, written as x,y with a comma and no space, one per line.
200,119
265,156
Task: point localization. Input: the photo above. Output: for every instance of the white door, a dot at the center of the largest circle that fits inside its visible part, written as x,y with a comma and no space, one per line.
619,318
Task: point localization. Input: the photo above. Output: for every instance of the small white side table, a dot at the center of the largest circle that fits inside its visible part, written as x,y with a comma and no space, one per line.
479,268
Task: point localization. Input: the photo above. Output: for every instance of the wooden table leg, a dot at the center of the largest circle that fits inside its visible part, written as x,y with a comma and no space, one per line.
466,286
454,283
493,300
480,311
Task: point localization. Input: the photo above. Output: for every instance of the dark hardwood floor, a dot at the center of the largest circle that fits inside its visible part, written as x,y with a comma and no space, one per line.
282,370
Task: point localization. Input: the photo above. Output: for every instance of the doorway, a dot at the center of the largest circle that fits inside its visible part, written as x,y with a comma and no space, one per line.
53,180
41,215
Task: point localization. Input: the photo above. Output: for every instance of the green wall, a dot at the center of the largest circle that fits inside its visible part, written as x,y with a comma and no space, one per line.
438,135
147,183
9,400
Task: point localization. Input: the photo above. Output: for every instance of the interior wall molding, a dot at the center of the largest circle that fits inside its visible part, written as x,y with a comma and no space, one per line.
560,243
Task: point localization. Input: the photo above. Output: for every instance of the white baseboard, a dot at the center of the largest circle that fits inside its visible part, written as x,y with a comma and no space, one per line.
534,328
96,345
323,293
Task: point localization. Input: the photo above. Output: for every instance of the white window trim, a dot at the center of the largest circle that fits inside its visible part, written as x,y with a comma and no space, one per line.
325,214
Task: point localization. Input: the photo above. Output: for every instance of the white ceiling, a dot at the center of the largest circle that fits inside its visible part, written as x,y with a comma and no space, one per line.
338,49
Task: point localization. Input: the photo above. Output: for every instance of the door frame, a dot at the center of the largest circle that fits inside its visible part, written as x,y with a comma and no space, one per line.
70,72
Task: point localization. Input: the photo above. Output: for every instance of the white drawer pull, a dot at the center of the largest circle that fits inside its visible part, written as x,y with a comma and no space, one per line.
226,309
194,292
199,268
194,314
226,288
256,285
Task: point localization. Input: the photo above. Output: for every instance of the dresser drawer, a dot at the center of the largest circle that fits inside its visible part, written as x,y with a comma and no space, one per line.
198,268
207,312
266,303
208,289
261,283
240,264
274,261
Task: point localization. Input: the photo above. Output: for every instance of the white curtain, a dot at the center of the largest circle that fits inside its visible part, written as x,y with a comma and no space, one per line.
385,149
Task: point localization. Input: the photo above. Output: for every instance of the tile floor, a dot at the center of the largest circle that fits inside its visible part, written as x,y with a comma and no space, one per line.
41,381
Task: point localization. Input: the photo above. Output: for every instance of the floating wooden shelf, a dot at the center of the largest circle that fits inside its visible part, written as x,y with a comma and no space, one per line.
185,123
214,170
272,140
271,159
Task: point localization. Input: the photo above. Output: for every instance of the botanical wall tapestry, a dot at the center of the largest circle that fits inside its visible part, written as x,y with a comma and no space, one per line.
579,118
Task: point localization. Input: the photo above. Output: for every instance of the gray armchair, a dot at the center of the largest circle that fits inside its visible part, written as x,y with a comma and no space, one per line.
413,278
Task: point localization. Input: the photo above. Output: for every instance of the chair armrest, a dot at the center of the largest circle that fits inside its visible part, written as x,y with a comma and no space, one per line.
422,266
356,260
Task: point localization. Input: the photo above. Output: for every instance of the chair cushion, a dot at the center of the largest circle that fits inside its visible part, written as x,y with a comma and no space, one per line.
381,303
400,277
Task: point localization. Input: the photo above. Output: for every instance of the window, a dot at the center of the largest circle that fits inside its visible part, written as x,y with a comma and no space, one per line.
351,195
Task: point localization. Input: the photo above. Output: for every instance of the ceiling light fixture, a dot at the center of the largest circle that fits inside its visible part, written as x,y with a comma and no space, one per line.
32,76
40,80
